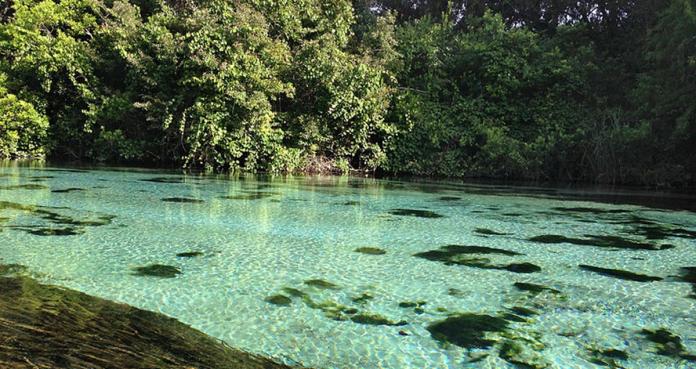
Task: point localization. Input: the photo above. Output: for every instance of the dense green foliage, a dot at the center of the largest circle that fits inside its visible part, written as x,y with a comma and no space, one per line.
564,90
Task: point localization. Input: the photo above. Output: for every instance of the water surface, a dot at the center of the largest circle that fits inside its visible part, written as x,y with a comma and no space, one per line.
333,272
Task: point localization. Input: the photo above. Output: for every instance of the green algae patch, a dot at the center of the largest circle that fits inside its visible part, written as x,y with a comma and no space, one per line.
279,300
51,327
374,319
370,250
600,241
620,274
322,284
185,200
467,330
415,213
489,232
190,254
668,344
534,288
157,270
68,190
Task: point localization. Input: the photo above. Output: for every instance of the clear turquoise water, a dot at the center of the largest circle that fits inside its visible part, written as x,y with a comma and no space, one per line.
305,228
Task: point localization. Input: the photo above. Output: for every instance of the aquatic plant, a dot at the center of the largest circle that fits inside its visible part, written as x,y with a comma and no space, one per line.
374,319
54,327
28,186
11,269
370,250
620,274
415,213
157,270
467,330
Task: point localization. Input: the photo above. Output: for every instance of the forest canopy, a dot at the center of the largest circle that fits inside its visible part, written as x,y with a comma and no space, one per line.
595,91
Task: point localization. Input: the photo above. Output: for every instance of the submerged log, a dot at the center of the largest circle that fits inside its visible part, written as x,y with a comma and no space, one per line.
45,326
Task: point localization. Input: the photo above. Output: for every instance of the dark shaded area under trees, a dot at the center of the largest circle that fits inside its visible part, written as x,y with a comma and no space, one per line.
594,91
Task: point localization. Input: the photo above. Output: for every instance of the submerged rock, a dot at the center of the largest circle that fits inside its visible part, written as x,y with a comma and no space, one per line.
449,198
280,300
620,274
489,232
182,200
521,356
42,231
164,180
157,270
370,250
600,241
12,269
415,213
534,288
596,211
668,343
689,276
362,298
467,330
449,253
52,327
190,254
68,190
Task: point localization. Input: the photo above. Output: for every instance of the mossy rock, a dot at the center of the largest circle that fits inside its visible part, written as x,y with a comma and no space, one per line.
157,270
53,327
362,298
467,330
521,356
370,250
12,269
